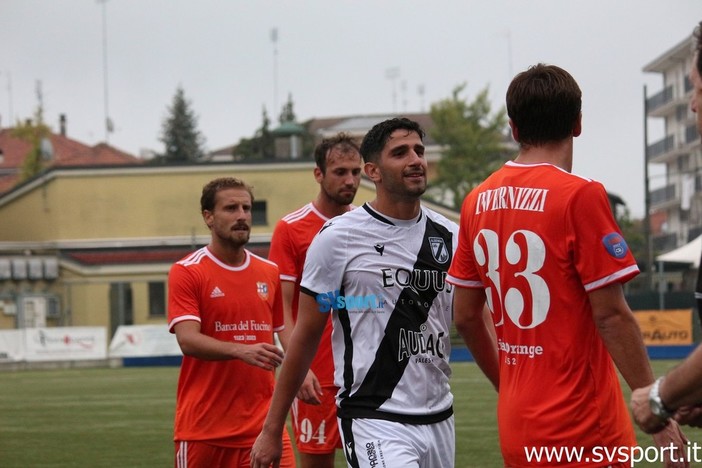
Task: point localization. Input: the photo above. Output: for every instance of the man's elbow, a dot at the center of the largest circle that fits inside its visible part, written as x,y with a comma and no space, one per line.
186,346
614,319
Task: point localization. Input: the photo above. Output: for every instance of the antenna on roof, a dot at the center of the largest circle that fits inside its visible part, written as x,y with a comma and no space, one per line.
274,39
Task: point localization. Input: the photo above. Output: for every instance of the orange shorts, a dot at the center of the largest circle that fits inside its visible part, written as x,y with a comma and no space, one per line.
198,454
315,426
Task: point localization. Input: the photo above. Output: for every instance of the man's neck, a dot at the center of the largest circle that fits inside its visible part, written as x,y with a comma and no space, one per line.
558,153
232,256
398,209
328,208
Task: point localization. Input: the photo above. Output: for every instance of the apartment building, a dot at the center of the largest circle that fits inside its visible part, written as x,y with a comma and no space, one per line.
675,158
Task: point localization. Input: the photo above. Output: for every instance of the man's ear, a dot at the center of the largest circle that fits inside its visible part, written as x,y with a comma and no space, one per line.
207,217
578,127
318,176
515,131
372,171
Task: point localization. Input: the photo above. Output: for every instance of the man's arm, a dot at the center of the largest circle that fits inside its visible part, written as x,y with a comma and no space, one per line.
679,390
310,392
288,290
622,337
475,326
683,384
194,343
303,347
621,334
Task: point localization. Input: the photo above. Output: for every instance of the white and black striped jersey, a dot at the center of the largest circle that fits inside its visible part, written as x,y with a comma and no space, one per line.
384,282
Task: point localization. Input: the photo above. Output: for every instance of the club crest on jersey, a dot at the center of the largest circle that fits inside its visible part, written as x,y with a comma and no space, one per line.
262,289
438,249
615,245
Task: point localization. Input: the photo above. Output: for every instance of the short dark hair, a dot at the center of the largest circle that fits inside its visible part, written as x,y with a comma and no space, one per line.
698,47
341,141
544,104
376,138
209,191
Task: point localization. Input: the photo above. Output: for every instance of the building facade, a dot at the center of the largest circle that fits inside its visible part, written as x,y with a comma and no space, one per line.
674,196
93,246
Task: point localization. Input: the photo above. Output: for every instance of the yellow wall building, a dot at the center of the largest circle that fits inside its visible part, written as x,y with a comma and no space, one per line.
93,246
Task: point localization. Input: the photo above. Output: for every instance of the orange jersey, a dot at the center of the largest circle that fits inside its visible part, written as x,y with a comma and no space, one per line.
291,238
224,402
538,239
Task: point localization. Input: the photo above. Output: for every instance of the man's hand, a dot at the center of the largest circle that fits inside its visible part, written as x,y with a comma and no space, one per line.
265,355
689,416
310,392
641,410
674,443
266,451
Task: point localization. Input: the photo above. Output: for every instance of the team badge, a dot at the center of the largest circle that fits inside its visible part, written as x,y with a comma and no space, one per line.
615,245
262,289
438,249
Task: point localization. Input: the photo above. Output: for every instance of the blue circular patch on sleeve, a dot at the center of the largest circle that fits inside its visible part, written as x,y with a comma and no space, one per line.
615,245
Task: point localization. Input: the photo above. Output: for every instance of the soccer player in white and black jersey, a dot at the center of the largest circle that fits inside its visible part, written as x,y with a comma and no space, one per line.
379,272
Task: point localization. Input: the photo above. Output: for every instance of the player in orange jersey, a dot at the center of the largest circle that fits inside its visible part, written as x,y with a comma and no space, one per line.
224,304
338,173
541,247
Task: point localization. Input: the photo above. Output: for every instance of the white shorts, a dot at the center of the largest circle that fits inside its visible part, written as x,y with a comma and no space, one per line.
377,443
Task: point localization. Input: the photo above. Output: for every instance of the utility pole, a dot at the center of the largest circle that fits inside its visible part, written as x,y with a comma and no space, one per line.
647,198
393,74
109,127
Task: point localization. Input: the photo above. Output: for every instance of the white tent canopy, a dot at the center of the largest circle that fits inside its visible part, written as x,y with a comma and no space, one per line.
688,253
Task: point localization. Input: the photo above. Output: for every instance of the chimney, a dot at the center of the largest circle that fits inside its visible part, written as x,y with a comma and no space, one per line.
62,124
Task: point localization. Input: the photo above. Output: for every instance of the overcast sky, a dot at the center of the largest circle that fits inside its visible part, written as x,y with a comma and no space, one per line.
335,58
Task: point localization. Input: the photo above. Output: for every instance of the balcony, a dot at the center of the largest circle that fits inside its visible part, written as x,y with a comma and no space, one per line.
662,195
692,135
660,147
659,99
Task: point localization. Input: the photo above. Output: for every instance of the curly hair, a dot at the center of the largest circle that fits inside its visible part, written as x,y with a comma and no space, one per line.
342,142
209,191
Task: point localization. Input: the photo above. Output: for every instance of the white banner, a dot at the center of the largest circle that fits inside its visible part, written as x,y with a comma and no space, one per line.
11,345
144,341
65,343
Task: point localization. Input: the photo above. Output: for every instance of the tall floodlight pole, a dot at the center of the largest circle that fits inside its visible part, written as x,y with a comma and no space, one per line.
9,99
108,122
274,39
392,74
403,88
421,90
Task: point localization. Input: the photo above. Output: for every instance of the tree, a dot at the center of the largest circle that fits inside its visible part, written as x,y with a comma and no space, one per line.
36,133
473,139
183,141
287,114
260,146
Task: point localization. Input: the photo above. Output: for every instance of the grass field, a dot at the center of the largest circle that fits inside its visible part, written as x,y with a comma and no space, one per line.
124,418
